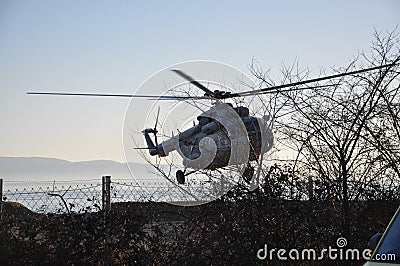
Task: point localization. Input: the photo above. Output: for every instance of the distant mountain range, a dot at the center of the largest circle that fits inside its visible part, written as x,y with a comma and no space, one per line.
38,168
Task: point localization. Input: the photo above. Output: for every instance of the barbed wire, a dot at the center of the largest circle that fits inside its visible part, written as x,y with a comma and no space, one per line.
78,196
54,196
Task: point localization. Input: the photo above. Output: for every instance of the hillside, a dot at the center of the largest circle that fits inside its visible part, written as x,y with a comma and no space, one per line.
38,168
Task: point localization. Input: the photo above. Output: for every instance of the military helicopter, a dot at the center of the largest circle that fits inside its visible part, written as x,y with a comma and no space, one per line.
212,143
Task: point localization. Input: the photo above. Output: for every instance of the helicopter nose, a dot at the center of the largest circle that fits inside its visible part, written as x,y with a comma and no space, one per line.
267,137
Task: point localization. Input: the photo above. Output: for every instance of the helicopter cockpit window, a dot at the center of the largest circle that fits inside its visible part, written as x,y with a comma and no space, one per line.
242,111
203,120
252,125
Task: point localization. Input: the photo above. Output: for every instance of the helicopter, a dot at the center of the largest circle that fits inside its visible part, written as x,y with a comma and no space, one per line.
224,135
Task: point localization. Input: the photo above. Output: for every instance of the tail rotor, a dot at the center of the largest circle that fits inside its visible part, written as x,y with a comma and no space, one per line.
155,131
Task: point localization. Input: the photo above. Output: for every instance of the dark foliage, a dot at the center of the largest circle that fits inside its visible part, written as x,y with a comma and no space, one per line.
223,232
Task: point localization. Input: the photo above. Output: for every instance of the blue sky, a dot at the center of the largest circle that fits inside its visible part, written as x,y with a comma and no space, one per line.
113,46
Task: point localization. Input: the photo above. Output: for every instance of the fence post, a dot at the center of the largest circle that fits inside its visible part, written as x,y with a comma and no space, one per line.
310,188
310,206
106,193
1,198
106,204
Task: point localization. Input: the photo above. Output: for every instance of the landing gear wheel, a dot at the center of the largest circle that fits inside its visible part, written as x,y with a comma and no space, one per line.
180,177
248,173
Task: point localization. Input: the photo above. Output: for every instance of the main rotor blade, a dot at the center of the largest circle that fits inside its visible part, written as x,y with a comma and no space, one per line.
209,95
150,97
287,90
277,88
194,82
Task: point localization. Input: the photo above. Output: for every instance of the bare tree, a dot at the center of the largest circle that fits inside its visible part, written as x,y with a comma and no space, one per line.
346,135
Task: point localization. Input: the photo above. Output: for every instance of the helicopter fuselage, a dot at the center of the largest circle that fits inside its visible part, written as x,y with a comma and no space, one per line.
211,136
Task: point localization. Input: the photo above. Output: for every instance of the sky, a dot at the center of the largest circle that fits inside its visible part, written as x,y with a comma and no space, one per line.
114,46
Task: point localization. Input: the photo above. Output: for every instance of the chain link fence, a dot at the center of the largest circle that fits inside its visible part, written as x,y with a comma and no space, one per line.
54,196
79,196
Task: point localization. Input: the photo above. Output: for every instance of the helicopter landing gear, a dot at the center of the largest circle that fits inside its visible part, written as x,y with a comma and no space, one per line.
248,173
180,177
